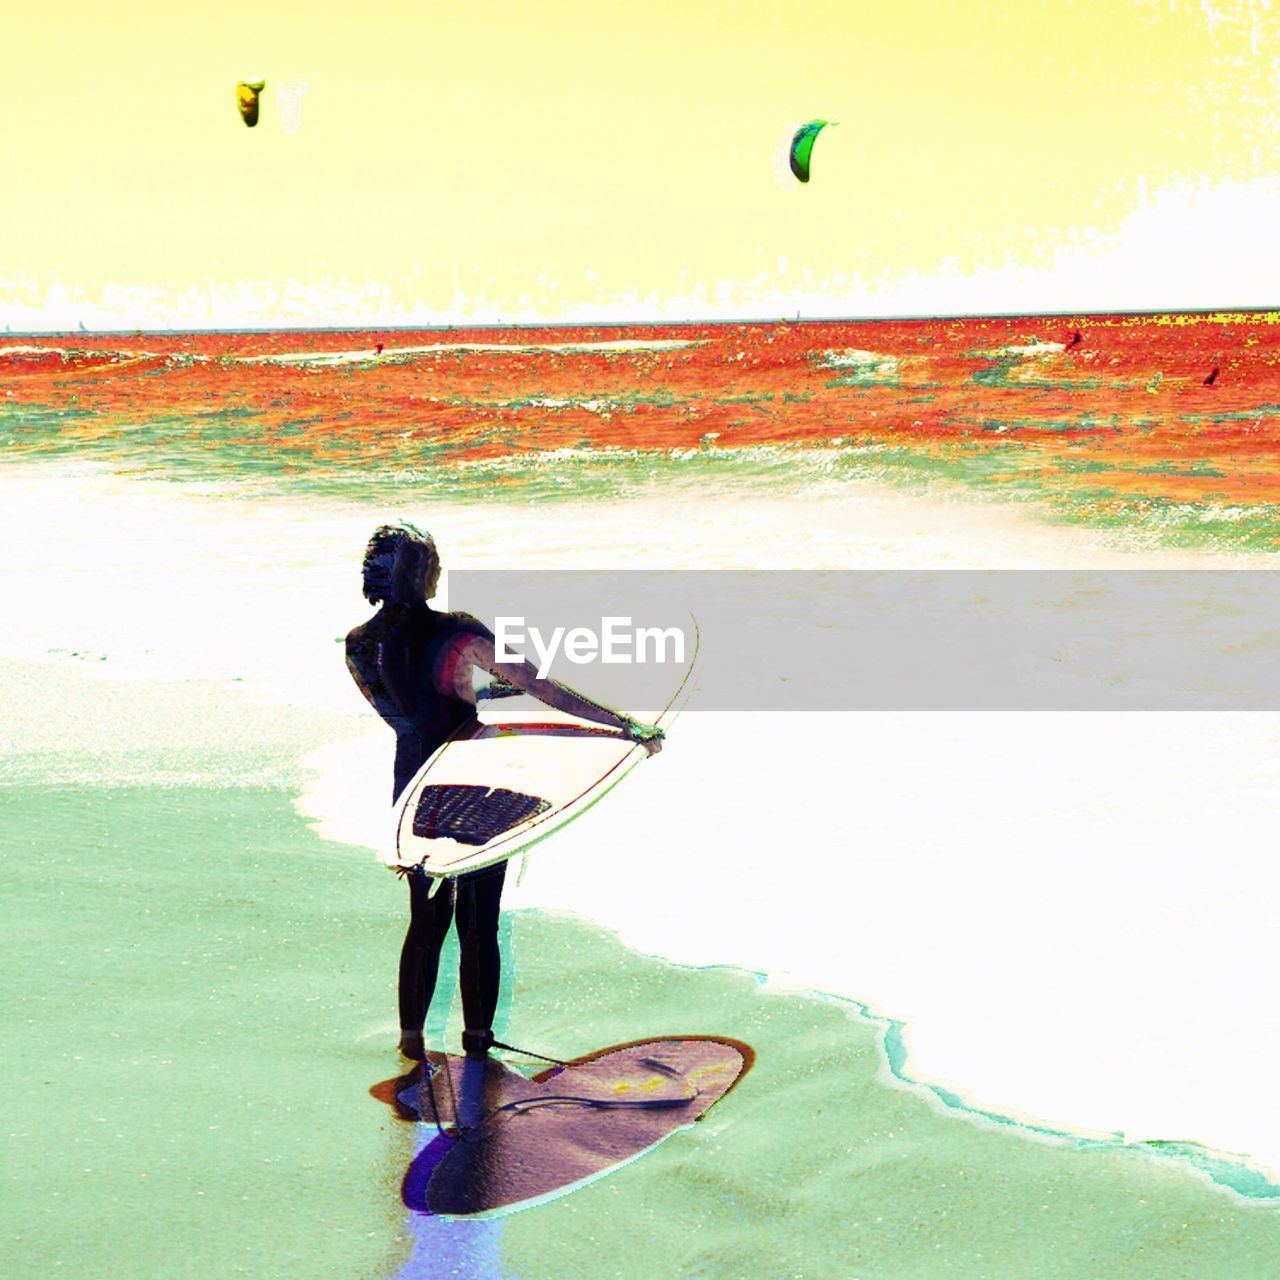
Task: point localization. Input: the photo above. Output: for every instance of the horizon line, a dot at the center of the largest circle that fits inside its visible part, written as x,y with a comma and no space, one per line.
500,325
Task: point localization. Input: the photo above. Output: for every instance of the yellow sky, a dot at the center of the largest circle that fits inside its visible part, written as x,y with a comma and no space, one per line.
575,160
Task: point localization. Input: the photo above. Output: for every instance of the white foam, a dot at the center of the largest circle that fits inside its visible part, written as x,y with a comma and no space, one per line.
1074,914
85,353
859,360
1030,350
23,349
388,354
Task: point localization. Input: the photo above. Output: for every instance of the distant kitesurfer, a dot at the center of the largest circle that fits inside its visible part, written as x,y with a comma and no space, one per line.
1213,377
1076,339
378,349
415,667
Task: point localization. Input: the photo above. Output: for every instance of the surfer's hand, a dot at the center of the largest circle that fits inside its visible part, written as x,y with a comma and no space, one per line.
649,736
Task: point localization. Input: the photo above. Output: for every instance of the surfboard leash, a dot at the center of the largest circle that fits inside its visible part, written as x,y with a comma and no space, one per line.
528,1053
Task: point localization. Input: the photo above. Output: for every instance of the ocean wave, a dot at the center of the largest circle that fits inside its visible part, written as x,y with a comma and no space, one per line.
1027,350
399,354
605,408
27,352
854,358
860,368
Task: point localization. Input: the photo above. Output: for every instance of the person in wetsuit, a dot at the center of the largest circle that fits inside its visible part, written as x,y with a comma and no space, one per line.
414,665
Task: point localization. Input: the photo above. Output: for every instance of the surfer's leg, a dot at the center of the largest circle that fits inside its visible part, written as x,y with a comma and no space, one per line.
480,969
429,920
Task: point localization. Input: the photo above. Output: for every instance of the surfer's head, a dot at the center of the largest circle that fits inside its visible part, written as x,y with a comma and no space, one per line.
401,565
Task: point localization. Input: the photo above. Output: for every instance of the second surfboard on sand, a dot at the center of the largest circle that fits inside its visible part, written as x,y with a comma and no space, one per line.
505,1141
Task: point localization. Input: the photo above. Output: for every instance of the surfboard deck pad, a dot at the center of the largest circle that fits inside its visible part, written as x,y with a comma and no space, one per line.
504,1140
472,815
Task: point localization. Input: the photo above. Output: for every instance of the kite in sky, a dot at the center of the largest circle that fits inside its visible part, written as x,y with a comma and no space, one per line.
802,146
247,92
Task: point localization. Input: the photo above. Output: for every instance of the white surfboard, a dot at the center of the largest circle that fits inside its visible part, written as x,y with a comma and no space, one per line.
493,790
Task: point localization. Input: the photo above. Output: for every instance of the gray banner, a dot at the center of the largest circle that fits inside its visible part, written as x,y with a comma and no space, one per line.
897,640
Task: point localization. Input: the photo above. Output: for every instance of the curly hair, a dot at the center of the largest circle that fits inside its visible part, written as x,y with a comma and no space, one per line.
391,540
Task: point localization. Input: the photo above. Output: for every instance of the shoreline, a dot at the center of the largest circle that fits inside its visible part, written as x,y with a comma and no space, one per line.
911,871
1227,1171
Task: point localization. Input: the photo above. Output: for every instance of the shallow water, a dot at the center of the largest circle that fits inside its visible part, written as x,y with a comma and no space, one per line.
203,996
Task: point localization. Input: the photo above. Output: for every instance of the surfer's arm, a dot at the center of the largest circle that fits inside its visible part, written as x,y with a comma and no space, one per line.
478,651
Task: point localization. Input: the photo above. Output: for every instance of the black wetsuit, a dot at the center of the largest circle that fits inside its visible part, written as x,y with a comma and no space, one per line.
394,654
